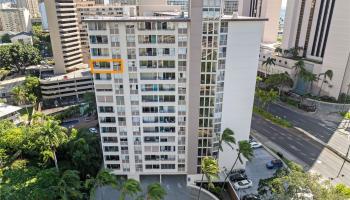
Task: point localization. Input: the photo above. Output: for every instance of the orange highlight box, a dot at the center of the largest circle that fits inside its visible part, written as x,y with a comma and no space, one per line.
112,60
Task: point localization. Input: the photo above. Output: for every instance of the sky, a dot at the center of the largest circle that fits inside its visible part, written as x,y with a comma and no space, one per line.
284,4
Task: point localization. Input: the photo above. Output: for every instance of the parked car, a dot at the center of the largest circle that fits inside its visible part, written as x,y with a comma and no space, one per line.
239,171
251,197
93,130
243,184
251,139
274,164
238,177
255,145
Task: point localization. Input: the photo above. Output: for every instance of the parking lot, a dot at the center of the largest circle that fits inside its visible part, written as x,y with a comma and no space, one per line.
257,170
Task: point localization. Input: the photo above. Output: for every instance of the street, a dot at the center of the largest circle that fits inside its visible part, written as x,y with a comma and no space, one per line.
300,148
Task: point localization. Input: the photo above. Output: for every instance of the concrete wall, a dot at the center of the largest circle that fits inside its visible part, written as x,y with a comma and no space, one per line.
240,76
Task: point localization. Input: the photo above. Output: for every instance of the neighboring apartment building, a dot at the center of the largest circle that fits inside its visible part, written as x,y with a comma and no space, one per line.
321,30
89,8
43,16
269,9
31,5
15,20
65,35
167,85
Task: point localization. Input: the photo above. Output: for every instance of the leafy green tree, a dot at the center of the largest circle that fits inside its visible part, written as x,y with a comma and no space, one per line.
296,184
210,169
245,150
130,187
82,147
69,185
327,74
103,178
266,97
268,62
20,96
41,39
280,81
90,99
155,192
6,38
19,56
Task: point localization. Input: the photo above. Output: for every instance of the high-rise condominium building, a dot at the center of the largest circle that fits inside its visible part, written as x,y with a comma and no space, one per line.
15,19
265,9
90,8
31,5
167,85
65,35
320,29
43,16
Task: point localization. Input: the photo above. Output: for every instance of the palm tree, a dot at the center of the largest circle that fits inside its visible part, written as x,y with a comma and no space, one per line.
269,61
155,192
278,50
245,149
210,169
20,96
69,185
130,187
299,66
52,135
103,178
228,138
327,74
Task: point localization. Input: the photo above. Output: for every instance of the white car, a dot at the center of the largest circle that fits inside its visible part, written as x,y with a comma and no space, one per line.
243,184
255,145
93,130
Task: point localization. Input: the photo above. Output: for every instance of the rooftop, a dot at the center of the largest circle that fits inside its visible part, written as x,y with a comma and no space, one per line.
8,109
136,18
82,73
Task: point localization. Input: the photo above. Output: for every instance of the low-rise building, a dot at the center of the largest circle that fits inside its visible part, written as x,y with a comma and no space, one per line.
10,112
66,89
23,37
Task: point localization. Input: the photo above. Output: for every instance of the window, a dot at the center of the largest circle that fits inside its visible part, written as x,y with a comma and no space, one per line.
152,166
109,129
113,166
100,51
166,39
98,39
111,149
110,139
147,39
102,65
93,26
120,100
168,166
112,158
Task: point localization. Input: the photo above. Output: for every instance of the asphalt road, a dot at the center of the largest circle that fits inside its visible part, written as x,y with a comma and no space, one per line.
292,140
321,129
295,144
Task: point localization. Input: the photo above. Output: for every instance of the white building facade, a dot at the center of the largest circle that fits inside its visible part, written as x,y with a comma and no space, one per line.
161,101
15,20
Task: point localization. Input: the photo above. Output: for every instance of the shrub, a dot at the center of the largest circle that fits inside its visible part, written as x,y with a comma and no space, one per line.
275,119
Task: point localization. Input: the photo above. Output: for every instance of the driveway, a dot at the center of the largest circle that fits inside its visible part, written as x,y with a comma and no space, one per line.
175,186
256,170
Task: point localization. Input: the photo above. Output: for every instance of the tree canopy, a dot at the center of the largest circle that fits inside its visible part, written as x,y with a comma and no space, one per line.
18,56
297,184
